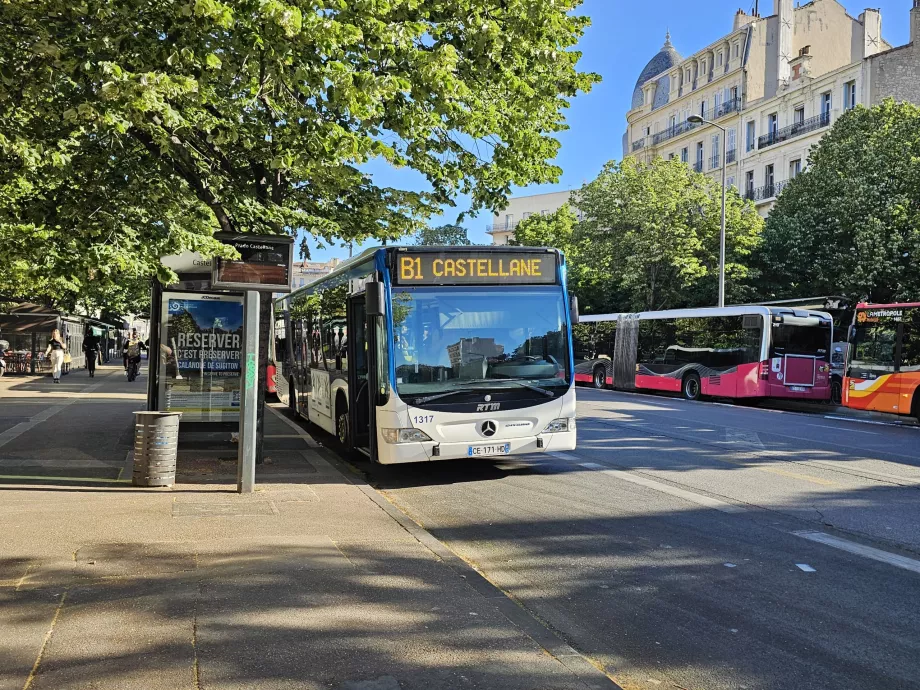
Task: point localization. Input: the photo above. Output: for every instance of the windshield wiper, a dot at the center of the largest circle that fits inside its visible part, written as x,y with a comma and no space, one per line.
472,382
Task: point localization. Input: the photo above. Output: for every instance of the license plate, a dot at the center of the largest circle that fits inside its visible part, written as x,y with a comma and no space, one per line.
501,449
798,389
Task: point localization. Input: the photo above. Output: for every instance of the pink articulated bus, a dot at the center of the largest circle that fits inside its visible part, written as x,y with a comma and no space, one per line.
731,352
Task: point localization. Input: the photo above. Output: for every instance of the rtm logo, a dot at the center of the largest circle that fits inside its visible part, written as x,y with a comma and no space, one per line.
488,407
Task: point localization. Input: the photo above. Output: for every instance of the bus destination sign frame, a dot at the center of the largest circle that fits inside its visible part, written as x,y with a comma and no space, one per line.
475,268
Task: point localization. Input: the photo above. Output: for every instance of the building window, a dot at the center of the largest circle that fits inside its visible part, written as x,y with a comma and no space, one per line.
719,63
795,167
716,150
731,146
849,95
685,155
768,179
689,77
509,220
751,135
733,93
826,102
772,124
648,131
737,49
672,156
699,157
731,181
749,184
717,104
798,116
703,108
672,123
527,214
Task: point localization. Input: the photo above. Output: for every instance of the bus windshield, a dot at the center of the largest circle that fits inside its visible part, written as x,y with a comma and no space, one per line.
449,339
808,340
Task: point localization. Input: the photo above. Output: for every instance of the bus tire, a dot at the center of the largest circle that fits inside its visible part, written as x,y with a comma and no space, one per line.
599,377
836,391
691,388
342,432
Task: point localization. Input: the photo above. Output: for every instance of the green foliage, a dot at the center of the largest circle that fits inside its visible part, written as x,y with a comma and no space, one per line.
650,239
443,236
850,224
135,129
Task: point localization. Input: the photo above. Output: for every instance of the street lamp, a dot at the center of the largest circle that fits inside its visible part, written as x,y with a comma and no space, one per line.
697,120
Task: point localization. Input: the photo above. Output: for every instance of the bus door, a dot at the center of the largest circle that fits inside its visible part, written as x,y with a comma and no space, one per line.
361,351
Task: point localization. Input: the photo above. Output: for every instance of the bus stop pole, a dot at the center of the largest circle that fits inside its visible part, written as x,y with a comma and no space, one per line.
246,452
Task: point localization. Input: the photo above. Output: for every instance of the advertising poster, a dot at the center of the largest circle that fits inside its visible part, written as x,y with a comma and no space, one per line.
200,356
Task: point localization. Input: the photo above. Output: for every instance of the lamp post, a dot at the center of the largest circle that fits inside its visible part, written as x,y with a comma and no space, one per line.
697,120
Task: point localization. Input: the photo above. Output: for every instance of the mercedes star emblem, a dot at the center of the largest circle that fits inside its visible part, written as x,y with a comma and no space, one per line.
489,428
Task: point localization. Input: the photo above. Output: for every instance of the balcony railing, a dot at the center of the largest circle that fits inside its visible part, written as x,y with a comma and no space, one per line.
768,191
502,227
698,166
730,106
714,162
794,130
636,145
731,156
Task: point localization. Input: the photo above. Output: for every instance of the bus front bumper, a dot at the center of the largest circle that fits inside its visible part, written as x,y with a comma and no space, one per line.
396,453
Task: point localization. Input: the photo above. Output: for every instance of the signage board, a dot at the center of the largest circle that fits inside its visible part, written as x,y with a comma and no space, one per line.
265,263
200,354
475,268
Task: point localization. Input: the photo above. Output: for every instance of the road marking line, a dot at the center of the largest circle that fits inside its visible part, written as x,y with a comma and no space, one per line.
805,568
563,456
861,550
699,499
848,431
870,421
35,477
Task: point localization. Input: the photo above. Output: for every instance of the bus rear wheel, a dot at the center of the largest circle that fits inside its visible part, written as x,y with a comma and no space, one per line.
341,426
599,380
692,389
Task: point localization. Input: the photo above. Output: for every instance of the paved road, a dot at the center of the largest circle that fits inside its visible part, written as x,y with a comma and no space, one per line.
701,546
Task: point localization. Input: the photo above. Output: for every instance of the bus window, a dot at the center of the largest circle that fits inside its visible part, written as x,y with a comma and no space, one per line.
910,342
874,348
792,339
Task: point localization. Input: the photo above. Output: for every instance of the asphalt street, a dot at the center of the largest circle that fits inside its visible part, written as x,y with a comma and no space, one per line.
698,545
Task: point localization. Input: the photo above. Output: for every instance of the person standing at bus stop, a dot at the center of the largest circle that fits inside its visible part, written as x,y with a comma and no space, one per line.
91,348
56,350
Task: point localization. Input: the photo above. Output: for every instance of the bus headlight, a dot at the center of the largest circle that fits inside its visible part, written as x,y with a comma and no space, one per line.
559,425
404,435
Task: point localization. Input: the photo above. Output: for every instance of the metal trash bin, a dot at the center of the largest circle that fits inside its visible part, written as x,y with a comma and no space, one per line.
156,444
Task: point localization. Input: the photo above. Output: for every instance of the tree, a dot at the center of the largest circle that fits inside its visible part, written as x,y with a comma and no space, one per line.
850,224
653,230
596,292
135,129
443,236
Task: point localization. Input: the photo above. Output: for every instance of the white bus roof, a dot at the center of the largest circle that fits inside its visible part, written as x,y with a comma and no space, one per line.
706,312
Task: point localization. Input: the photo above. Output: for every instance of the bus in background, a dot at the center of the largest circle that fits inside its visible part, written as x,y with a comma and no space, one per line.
883,373
412,354
732,352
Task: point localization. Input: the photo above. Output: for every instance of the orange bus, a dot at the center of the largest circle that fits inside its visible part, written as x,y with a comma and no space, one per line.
883,373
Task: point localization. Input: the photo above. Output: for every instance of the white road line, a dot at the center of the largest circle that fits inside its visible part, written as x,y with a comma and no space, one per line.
699,499
805,568
563,456
869,421
840,428
861,550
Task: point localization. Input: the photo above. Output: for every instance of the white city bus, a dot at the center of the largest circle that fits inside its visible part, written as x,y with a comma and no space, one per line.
410,354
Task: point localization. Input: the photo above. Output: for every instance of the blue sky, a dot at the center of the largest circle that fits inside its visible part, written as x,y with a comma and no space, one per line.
623,37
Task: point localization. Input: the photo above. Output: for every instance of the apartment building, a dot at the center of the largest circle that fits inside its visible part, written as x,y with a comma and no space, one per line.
774,85
519,208
308,271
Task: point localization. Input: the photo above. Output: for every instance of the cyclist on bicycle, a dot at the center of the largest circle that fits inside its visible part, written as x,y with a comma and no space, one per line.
131,351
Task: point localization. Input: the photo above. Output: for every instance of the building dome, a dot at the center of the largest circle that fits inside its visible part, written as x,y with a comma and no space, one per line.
666,58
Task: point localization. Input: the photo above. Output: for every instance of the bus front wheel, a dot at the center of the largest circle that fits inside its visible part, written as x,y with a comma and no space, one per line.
692,389
836,391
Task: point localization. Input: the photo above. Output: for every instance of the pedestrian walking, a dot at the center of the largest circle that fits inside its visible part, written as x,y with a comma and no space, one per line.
56,350
91,348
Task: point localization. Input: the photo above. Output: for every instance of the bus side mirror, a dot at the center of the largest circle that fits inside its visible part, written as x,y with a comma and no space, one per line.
573,309
374,298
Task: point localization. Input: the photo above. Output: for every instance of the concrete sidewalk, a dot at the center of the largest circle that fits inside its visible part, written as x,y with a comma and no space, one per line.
314,581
